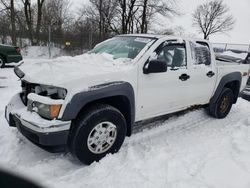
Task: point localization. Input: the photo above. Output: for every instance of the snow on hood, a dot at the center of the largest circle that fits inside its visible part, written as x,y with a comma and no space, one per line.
66,71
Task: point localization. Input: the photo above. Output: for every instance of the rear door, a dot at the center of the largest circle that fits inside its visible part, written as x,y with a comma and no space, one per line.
203,73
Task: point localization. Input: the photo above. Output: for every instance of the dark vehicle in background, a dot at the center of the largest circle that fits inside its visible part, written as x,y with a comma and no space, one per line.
245,94
9,54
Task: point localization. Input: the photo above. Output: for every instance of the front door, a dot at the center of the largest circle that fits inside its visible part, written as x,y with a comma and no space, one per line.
161,93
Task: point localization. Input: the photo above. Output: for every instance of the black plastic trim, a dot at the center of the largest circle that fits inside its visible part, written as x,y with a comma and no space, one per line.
44,139
113,89
245,96
234,76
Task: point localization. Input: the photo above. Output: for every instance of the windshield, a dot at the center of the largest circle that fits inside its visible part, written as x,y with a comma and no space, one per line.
122,47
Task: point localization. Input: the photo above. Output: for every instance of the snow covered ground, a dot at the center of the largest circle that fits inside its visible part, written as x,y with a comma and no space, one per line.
189,151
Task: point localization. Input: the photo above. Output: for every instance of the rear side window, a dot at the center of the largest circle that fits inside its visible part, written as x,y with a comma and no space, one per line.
200,52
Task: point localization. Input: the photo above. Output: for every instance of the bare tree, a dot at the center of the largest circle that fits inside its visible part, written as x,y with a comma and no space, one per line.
152,8
4,29
29,18
56,15
30,13
39,18
144,17
102,15
10,7
127,16
213,17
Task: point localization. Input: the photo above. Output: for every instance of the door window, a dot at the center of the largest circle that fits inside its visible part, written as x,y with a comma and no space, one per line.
173,54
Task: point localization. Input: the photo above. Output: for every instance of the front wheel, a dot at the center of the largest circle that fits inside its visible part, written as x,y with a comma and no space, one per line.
223,104
99,131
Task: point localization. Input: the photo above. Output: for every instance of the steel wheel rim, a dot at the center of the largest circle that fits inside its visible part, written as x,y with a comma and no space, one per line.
224,104
102,137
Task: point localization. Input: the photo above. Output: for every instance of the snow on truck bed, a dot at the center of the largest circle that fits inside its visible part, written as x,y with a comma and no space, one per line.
242,55
189,151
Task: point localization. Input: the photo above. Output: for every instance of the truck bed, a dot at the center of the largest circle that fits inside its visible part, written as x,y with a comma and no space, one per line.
224,68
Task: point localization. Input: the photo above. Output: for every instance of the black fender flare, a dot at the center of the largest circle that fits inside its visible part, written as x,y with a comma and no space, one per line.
98,92
234,76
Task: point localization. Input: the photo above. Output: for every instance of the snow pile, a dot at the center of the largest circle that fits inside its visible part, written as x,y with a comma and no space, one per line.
72,70
233,54
40,52
188,151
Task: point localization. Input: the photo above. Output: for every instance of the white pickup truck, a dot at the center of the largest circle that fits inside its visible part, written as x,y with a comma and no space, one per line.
90,103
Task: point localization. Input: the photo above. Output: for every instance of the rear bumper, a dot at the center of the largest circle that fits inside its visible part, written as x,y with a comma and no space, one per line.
14,58
245,94
38,130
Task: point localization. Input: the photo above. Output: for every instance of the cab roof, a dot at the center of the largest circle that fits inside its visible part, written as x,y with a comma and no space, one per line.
164,36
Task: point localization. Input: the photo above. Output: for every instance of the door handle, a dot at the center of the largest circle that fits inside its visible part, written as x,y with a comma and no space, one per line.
210,74
184,77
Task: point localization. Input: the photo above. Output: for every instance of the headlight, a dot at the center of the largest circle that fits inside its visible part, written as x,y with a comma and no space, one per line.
44,110
51,91
46,107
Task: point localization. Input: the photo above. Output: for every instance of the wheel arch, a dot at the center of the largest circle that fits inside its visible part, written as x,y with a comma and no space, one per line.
117,94
231,81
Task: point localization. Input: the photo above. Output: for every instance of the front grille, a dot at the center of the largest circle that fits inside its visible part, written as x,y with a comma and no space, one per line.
27,88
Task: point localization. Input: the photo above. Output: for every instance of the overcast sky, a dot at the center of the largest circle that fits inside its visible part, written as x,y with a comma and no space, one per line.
240,9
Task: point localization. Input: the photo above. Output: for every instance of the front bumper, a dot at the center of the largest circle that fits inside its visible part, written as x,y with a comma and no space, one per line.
14,58
38,130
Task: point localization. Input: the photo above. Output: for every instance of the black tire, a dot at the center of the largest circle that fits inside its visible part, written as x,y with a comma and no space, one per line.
2,62
221,108
85,123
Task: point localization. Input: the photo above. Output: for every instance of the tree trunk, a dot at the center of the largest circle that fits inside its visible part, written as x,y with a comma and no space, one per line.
144,17
100,20
39,19
205,36
13,23
123,6
28,17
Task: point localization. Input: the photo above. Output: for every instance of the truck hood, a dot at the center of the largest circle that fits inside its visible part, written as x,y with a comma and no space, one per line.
78,72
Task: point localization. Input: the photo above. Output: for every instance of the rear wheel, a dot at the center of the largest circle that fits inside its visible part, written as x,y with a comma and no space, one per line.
99,131
2,62
223,105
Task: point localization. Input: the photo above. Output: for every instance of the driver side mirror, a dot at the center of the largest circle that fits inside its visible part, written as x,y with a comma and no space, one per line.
155,66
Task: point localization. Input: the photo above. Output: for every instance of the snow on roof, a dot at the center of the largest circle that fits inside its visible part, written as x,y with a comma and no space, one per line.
168,37
144,35
153,36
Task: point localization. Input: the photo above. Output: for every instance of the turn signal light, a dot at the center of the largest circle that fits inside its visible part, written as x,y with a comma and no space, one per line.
54,110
